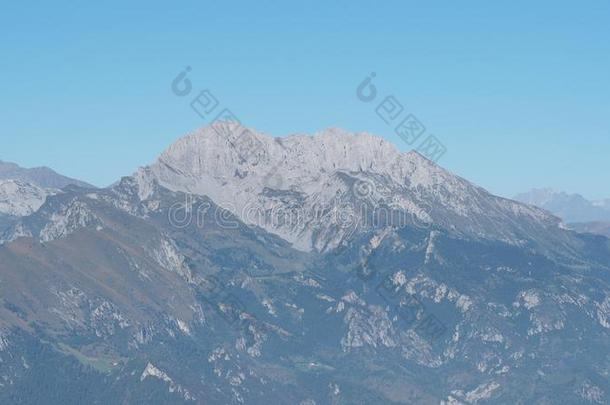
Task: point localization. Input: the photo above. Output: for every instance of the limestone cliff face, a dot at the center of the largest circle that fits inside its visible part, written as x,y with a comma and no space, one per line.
334,182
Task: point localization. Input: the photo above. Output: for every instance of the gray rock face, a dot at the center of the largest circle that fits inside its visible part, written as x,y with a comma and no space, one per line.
19,199
314,191
23,191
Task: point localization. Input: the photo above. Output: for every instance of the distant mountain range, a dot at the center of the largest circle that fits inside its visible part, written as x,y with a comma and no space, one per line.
576,211
38,176
595,227
239,268
570,207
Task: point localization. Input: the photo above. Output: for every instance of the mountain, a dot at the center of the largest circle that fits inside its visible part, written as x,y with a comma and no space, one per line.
407,284
20,199
112,278
596,227
288,186
39,176
23,191
570,207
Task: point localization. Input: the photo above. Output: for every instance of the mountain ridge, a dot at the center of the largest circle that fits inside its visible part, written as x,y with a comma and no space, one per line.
243,170
40,176
103,283
571,208
147,291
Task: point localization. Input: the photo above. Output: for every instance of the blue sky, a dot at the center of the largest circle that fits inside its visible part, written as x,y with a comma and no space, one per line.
519,93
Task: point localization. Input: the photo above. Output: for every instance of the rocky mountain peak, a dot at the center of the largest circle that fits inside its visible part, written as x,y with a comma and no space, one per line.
230,152
244,170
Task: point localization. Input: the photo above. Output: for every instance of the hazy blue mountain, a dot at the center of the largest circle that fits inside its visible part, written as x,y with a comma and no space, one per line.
39,176
596,227
569,207
141,293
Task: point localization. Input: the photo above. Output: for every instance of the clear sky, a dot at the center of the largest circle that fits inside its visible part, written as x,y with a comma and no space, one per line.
518,92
